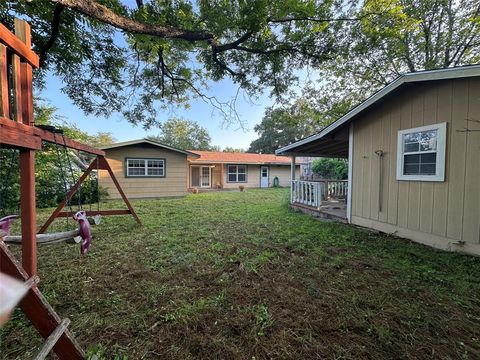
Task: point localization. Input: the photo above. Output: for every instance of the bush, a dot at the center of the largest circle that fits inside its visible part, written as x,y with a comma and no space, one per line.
49,183
328,168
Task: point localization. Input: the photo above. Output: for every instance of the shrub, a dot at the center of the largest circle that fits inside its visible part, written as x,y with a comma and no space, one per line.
335,169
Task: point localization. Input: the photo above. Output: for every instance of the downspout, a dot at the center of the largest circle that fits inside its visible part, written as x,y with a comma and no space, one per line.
380,185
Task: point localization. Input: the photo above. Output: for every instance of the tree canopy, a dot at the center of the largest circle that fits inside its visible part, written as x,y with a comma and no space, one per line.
134,60
230,149
137,60
334,169
402,36
283,125
52,166
184,134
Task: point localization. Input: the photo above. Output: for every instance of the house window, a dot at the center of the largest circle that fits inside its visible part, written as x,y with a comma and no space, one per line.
146,167
237,173
421,153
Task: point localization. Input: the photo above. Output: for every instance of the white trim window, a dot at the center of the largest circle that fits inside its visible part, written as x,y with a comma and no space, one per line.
145,167
421,153
237,173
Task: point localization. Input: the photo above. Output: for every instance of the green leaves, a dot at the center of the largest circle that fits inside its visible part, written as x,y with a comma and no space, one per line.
184,134
334,169
258,44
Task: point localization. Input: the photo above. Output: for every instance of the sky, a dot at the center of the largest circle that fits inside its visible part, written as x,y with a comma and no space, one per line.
250,112
234,135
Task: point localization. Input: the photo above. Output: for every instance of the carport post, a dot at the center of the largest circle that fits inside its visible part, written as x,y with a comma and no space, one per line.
292,178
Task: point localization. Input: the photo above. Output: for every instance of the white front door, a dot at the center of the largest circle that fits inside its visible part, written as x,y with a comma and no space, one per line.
205,176
264,176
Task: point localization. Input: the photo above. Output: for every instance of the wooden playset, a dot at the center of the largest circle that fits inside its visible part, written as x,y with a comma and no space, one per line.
18,131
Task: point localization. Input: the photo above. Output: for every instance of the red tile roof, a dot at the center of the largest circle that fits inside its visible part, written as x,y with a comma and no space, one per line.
239,158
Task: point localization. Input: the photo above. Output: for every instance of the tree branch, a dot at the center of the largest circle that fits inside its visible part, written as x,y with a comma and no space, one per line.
102,13
318,20
232,45
55,27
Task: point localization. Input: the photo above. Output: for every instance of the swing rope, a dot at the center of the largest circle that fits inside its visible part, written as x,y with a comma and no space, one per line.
71,171
62,174
98,187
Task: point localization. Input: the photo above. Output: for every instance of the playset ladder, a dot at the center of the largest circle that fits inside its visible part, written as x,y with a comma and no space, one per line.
40,312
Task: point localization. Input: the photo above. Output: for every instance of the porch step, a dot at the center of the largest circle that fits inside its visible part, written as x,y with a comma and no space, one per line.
326,213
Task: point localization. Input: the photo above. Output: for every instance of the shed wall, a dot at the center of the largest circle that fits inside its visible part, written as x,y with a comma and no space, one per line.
437,213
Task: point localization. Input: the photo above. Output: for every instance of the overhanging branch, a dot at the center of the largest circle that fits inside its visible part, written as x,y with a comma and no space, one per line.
102,13
55,27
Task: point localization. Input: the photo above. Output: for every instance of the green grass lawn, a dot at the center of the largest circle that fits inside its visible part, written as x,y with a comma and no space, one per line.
235,275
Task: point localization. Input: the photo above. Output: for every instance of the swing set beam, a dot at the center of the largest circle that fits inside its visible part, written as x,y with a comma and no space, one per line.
18,135
99,163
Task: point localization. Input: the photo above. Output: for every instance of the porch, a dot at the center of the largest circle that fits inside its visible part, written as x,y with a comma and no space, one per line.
322,198
206,177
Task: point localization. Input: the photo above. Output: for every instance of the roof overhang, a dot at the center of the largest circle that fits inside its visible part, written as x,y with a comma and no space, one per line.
324,144
150,142
196,162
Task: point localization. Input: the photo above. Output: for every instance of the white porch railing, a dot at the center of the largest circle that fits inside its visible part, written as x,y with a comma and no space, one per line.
306,192
336,189
312,193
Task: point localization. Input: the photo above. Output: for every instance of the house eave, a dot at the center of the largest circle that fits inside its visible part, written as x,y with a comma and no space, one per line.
153,143
421,76
240,163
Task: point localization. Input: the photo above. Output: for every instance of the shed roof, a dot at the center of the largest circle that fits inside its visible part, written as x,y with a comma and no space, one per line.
419,76
150,142
239,158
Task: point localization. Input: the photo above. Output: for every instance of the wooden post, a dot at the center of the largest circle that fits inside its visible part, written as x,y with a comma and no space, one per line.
293,168
104,165
292,179
5,100
28,211
24,114
222,175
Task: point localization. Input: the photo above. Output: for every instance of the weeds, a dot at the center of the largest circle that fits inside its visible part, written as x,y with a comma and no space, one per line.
239,276
263,320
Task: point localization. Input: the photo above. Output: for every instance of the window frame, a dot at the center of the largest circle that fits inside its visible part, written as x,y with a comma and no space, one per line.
145,160
440,153
236,173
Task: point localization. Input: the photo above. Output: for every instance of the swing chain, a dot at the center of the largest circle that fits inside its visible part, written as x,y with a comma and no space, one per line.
79,196
62,173
98,187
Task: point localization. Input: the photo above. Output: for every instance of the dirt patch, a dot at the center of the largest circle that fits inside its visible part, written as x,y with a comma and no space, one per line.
238,276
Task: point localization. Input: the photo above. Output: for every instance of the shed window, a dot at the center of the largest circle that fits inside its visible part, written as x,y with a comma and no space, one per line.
146,167
421,153
237,173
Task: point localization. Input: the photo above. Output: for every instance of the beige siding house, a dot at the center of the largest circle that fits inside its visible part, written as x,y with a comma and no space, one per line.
414,158
146,169
222,170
